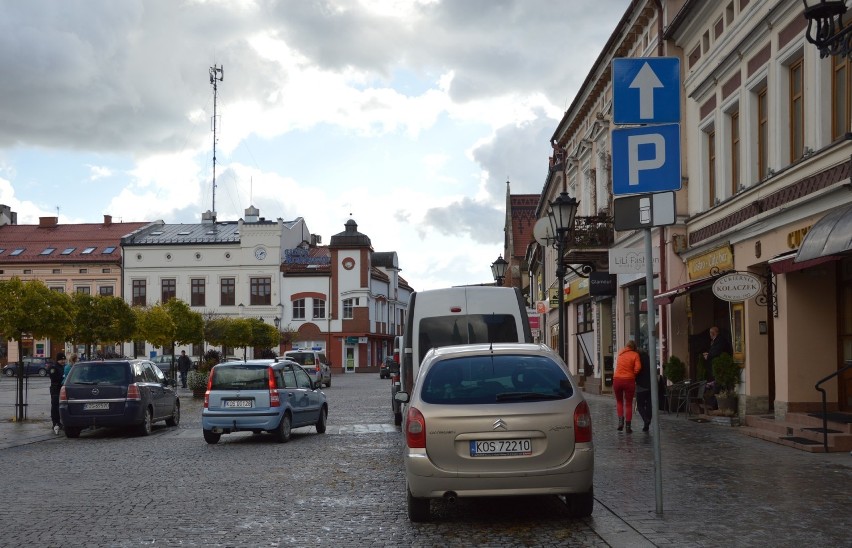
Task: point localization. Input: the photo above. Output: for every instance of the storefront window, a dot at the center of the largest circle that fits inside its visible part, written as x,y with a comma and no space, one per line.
635,318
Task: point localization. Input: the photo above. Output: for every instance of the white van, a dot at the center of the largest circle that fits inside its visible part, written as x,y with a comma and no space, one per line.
459,315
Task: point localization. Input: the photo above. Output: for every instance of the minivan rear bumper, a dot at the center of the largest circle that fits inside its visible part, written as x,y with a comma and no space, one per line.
229,421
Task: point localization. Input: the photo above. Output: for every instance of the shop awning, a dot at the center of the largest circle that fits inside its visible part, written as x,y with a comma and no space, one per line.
785,263
831,235
670,295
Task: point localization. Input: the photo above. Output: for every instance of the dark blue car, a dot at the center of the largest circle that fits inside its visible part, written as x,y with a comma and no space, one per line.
32,366
128,393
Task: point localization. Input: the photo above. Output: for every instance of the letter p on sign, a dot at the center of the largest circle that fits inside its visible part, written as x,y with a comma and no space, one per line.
636,164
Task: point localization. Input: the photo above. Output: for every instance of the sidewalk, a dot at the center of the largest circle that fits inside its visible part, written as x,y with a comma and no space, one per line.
720,487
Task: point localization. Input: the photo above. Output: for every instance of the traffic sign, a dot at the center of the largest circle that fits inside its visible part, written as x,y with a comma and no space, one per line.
644,211
646,90
646,159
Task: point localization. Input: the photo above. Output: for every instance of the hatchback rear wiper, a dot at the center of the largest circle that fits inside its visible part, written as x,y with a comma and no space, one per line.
508,396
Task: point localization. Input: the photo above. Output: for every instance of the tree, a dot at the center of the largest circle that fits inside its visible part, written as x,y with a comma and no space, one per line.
189,326
31,308
154,324
263,335
101,319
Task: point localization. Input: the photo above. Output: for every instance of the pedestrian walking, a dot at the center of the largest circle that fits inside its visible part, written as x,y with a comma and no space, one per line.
643,391
67,369
183,364
55,372
624,384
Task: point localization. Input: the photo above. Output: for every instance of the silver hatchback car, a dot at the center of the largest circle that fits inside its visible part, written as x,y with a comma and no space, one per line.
496,420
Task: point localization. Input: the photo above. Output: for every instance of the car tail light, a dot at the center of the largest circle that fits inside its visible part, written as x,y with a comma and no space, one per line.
63,395
582,423
133,392
415,429
274,397
209,385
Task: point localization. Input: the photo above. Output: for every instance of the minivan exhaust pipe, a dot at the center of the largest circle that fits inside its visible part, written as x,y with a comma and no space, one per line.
450,497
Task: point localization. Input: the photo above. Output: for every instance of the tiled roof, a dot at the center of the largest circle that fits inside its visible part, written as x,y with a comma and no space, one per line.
523,221
83,242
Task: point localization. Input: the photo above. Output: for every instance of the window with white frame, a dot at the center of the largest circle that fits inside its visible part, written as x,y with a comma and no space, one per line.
299,309
319,309
349,308
734,149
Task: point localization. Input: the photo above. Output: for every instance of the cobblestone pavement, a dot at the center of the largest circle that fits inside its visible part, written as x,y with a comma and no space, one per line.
109,488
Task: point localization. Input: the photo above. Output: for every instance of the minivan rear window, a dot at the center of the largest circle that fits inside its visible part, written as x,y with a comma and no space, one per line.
98,373
240,377
302,358
437,331
495,379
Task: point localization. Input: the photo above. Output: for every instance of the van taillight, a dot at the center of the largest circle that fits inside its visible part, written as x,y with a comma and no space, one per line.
209,385
274,397
415,429
133,392
582,423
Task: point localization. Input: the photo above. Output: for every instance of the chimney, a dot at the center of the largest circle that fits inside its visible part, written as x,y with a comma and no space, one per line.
107,220
48,222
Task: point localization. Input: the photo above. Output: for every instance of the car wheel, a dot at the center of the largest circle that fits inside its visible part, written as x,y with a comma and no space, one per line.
282,433
581,504
9,372
211,437
174,420
321,422
418,509
42,372
72,432
147,423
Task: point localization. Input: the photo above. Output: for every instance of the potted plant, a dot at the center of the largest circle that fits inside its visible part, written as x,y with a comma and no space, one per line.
727,374
674,370
196,380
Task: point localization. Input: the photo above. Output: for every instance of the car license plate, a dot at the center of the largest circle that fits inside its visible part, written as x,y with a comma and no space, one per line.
500,448
95,405
238,403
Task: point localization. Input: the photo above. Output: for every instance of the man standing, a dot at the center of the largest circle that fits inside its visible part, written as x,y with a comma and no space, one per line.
56,372
183,367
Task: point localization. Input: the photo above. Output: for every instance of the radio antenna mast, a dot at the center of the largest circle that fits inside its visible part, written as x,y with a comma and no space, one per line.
217,73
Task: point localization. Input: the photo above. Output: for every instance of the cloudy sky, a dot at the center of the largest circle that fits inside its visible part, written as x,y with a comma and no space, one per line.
407,116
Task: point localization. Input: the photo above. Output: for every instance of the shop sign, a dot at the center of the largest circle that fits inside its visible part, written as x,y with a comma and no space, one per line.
576,289
631,261
737,287
718,260
602,283
794,239
351,340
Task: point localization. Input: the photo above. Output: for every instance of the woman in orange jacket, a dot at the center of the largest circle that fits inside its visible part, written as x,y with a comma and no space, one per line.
627,366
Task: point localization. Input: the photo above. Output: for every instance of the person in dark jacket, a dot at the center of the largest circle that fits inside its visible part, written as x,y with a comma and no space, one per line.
643,390
719,344
56,372
183,365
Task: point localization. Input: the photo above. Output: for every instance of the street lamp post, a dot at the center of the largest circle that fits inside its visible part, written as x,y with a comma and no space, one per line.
498,269
561,214
277,322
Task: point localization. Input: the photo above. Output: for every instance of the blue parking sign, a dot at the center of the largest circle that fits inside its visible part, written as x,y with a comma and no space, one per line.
646,159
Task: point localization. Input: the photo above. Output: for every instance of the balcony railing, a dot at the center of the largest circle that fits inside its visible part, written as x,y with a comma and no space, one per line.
594,232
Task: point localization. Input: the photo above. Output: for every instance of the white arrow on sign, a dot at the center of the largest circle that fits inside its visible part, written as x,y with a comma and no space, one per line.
646,80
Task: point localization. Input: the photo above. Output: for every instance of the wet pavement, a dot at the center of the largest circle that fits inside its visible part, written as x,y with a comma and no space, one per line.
720,487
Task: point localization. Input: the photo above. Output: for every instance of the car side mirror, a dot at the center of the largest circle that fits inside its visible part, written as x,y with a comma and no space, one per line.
401,397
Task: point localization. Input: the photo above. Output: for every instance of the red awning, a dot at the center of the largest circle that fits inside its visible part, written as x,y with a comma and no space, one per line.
784,263
671,294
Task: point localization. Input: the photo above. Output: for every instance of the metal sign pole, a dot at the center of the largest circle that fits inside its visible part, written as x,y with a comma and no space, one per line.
652,355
